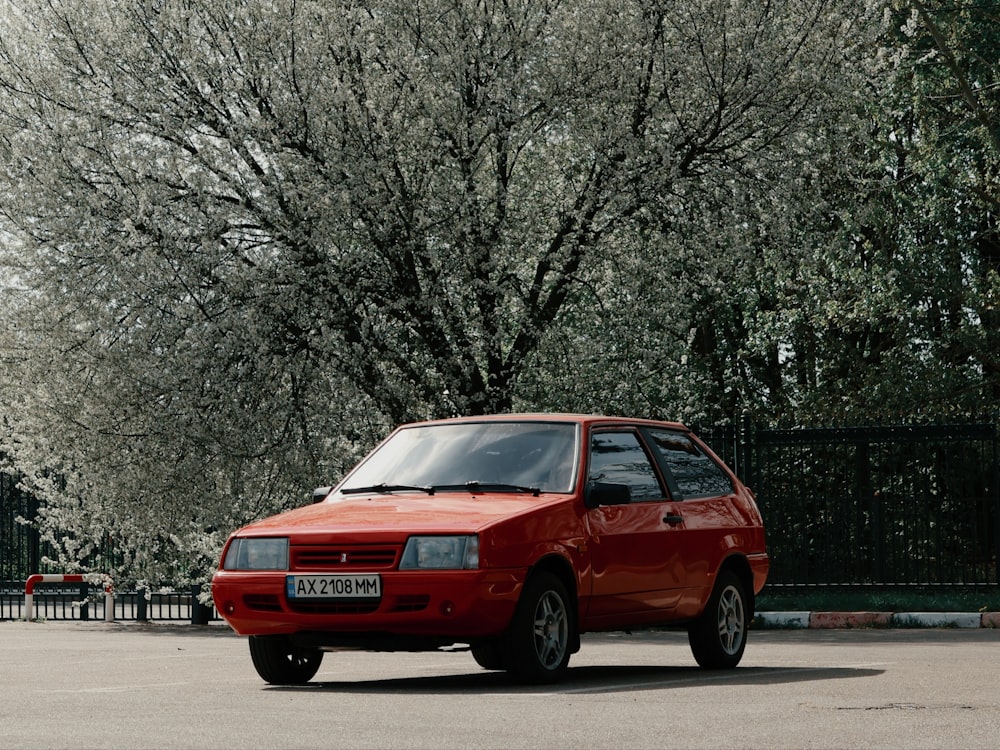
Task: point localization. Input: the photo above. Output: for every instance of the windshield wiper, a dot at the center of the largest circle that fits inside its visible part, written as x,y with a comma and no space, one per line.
383,487
475,486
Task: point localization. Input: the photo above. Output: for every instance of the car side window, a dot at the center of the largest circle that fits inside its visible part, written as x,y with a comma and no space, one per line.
619,458
696,474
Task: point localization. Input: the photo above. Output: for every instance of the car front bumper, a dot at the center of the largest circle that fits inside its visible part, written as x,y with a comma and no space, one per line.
453,606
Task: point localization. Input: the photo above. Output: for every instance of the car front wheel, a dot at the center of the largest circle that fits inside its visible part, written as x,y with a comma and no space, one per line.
489,655
278,662
538,642
719,636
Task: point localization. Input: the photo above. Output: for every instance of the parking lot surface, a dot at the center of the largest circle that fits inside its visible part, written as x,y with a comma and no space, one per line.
117,685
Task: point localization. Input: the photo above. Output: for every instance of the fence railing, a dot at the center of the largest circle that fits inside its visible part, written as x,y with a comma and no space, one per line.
885,505
58,601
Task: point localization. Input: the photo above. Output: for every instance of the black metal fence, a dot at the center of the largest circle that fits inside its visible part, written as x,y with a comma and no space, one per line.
888,505
62,601
844,506
20,548
22,553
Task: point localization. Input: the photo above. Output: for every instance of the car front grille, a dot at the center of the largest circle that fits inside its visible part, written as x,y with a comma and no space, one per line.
262,602
354,557
332,608
410,603
405,603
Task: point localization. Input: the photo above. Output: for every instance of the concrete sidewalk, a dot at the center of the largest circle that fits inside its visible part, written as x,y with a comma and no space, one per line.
795,620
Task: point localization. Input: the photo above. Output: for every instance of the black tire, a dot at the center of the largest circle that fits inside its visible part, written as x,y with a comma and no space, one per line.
538,643
278,662
489,655
719,636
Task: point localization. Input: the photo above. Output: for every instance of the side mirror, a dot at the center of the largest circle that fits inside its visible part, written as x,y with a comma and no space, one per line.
320,493
606,493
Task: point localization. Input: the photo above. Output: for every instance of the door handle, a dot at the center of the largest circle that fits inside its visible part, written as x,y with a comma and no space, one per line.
673,519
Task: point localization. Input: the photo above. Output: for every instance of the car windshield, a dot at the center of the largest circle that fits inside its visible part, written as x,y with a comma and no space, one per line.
514,456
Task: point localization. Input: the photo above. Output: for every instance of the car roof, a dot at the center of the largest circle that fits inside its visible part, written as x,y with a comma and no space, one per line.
582,419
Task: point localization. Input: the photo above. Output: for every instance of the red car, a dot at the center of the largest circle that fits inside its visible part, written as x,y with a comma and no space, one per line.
511,534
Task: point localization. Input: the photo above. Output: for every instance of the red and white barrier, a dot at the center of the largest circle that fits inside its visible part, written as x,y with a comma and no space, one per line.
33,580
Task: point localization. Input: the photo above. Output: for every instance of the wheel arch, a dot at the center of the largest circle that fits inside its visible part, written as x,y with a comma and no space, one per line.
739,565
560,567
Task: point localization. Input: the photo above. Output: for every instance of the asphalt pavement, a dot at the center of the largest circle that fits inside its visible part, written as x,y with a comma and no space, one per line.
95,685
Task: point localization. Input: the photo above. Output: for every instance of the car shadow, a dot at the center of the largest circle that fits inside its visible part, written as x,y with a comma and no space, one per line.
596,679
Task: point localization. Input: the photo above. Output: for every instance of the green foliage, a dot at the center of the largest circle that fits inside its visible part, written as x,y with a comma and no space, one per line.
905,323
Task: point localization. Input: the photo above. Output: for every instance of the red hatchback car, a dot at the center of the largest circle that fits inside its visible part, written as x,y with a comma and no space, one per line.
511,534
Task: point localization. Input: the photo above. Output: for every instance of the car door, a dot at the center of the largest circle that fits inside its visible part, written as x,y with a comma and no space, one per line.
703,494
637,569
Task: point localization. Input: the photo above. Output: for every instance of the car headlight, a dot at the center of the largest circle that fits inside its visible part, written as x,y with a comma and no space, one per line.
257,553
441,553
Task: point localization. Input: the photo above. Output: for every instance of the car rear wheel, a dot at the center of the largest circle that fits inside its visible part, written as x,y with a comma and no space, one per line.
278,662
538,642
719,636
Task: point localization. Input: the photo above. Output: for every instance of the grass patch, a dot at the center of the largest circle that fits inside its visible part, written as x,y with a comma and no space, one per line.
877,599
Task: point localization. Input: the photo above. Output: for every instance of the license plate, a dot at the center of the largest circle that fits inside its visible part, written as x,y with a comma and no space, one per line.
334,586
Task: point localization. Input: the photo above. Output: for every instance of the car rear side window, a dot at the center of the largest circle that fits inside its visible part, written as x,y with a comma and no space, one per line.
696,474
618,458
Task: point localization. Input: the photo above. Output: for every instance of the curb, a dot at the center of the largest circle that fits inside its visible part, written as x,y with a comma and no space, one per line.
854,620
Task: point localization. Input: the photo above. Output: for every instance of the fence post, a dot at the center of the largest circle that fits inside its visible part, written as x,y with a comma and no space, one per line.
995,545
34,535
84,603
867,499
141,605
200,614
109,601
745,441
993,535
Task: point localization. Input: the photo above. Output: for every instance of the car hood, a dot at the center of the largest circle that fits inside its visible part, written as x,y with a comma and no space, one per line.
398,515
